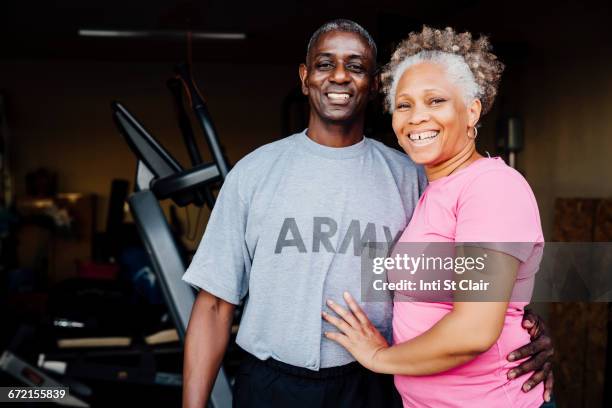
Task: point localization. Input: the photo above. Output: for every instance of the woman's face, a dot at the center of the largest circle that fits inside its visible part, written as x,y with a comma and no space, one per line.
431,119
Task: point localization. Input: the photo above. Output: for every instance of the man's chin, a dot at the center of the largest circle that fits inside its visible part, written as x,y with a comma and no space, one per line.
340,116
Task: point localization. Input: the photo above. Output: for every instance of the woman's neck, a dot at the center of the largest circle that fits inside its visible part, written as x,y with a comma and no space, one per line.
464,158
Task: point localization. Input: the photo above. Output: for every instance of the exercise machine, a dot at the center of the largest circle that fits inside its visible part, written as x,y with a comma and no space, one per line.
158,177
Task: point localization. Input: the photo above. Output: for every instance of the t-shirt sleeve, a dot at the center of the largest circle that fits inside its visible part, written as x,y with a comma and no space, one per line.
221,264
422,179
498,210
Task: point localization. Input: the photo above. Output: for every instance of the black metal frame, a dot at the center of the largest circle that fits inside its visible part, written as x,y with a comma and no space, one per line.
159,176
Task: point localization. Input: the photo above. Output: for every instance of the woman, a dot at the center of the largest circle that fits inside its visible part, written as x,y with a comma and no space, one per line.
446,354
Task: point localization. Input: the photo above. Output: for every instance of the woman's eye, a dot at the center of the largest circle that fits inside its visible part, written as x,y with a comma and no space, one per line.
437,101
402,106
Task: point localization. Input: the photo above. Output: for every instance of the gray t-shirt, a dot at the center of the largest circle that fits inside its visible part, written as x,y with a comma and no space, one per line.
287,232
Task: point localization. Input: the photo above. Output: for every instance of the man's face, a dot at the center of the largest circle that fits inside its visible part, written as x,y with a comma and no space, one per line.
339,76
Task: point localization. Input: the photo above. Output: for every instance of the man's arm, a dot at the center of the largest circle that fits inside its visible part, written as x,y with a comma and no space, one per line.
205,344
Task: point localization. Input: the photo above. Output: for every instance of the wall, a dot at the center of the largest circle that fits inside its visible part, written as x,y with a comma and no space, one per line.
59,114
567,109
60,118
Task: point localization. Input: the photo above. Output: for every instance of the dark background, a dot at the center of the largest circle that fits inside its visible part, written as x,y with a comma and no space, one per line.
57,88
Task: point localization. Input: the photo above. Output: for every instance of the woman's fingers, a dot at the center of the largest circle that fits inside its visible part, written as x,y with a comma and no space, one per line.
356,309
343,313
340,324
338,338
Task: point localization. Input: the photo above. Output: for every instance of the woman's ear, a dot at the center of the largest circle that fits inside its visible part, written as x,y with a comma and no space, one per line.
303,72
474,111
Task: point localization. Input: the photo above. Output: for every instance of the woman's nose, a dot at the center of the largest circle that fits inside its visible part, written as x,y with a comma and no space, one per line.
419,115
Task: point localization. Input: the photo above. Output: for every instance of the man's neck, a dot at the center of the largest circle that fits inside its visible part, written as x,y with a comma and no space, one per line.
335,134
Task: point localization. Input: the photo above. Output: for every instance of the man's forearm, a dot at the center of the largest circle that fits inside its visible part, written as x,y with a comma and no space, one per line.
205,344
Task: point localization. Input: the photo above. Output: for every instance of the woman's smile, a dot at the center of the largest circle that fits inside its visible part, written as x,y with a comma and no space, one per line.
423,138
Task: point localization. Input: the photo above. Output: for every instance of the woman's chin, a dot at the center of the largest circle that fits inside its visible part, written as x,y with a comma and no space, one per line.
423,156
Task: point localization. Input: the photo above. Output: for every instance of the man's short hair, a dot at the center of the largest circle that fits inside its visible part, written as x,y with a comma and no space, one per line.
345,26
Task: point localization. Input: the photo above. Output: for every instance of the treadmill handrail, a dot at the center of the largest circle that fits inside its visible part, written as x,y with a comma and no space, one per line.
144,146
162,165
174,184
203,116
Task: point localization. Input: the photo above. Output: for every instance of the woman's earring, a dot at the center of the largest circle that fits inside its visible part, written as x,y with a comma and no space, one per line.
475,133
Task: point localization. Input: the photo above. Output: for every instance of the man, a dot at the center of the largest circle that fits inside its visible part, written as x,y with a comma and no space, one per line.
288,230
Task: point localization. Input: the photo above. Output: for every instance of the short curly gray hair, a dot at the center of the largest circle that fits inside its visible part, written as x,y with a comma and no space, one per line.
469,63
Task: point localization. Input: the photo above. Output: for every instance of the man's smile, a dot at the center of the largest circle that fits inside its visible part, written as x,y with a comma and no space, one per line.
338,98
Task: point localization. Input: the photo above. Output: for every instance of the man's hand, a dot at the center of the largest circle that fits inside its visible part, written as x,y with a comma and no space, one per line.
540,351
357,334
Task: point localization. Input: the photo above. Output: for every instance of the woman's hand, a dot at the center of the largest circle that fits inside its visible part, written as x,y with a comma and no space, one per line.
357,334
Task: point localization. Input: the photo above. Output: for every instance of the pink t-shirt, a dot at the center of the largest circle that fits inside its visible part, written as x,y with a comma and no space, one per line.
490,202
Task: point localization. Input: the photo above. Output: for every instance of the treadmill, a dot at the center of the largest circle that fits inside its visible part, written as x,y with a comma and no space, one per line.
158,177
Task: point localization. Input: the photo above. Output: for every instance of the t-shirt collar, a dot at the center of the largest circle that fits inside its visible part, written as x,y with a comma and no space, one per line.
331,152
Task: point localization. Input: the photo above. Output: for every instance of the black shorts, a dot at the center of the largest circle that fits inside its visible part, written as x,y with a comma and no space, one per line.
271,383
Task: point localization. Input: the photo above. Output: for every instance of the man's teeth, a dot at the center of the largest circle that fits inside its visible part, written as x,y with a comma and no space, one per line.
338,96
423,138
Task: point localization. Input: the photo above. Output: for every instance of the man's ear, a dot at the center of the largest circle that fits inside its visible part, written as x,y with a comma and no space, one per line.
303,72
474,111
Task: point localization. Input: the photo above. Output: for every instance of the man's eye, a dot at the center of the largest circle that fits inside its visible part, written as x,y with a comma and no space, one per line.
356,68
324,65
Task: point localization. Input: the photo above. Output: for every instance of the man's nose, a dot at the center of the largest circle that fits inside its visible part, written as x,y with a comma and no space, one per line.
340,75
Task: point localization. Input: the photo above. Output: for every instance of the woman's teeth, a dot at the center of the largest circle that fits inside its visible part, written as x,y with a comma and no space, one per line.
423,138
